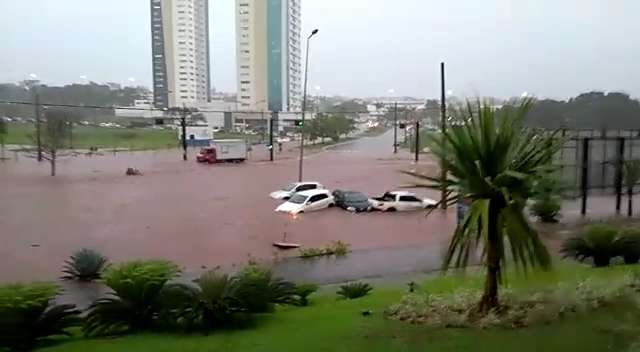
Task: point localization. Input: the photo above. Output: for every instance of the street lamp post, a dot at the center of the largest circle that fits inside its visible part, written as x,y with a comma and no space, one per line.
304,103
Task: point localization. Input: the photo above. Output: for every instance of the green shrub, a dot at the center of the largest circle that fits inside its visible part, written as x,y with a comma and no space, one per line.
354,290
85,265
630,245
311,252
302,293
259,290
134,302
27,316
339,248
546,209
547,199
599,243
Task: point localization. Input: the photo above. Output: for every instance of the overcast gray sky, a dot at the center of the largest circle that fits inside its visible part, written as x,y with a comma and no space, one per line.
550,48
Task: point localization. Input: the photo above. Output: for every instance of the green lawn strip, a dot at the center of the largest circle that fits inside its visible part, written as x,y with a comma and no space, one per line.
338,325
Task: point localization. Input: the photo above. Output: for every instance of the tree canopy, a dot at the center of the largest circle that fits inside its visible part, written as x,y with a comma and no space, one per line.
331,126
593,110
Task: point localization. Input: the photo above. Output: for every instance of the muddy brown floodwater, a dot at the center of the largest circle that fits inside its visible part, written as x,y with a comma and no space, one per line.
196,215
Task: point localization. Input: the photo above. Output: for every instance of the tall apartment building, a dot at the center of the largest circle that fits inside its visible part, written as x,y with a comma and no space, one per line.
180,49
269,54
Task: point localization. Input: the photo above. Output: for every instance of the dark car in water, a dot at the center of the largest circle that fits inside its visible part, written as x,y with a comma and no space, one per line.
352,200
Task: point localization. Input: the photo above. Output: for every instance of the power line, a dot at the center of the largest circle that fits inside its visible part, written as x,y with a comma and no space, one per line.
169,110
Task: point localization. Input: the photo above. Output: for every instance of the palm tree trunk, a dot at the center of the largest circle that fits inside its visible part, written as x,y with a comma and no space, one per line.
489,298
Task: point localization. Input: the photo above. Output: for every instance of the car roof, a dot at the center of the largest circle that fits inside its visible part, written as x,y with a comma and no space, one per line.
313,192
401,193
307,183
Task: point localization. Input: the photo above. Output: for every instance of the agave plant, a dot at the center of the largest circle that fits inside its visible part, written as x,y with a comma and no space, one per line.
134,302
259,290
492,160
600,243
27,315
85,265
354,290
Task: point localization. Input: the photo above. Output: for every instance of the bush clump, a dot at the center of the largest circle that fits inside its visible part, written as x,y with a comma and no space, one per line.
27,315
337,248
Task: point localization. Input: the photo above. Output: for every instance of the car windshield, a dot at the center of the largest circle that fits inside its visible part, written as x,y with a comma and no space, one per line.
355,197
289,187
298,199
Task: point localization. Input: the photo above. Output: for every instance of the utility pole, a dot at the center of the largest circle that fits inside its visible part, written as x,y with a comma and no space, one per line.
183,124
417,144
443,127
304,104
36,97
395,128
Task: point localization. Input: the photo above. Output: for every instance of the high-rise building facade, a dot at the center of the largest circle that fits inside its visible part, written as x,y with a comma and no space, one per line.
269,54
180,52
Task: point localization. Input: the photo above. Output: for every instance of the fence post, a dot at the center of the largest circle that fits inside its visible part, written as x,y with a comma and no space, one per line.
584,184
619,167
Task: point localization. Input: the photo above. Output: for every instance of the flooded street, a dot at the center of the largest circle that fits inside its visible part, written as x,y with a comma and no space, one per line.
201,215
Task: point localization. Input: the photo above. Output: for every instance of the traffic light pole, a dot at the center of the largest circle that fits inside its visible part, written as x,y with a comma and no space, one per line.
183,124
271,136
443,127
417,143
395,128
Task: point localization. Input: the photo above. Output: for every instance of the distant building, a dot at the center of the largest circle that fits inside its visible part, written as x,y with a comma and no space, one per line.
180,52
268,56
114,86
141,108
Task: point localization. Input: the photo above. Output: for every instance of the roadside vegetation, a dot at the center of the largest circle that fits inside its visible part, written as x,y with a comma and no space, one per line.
372,323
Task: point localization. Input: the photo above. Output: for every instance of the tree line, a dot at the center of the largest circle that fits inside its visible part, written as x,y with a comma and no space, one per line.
73,94
333,126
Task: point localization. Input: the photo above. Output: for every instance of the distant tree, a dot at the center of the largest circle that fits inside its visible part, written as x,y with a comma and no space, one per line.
3,135
54,131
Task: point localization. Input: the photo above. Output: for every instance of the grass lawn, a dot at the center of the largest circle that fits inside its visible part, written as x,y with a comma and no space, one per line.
84,137
332,325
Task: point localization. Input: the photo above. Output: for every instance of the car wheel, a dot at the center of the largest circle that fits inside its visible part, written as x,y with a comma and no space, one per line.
391,209
286,198
331,205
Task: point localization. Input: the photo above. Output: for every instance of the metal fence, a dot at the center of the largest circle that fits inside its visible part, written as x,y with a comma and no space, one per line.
591,163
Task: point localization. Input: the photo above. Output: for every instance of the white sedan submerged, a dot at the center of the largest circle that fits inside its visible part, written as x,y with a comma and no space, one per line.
287,191
306,201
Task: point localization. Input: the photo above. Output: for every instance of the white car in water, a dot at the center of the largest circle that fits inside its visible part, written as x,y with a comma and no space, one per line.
400,201
287,191
306,201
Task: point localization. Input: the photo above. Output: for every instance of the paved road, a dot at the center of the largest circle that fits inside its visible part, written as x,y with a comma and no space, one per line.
196,215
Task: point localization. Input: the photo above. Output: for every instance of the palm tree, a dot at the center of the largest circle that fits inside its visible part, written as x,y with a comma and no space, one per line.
492,161
631,177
